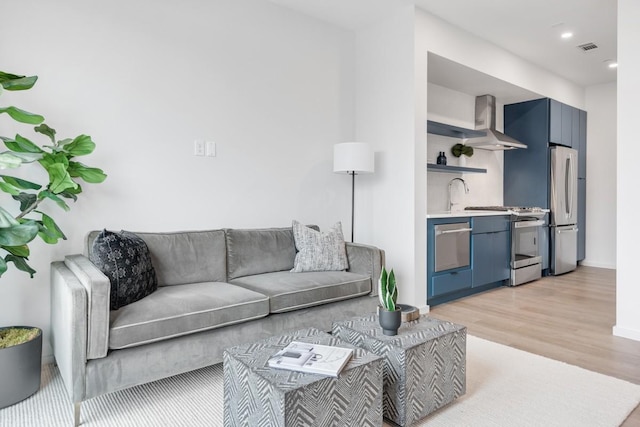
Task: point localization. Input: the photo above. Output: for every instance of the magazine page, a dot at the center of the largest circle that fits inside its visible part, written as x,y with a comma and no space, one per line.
312,358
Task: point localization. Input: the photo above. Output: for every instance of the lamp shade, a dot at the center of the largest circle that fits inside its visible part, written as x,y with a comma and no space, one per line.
353,157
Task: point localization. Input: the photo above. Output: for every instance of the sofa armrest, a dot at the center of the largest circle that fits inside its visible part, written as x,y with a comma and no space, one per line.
69,328
368,260
98,289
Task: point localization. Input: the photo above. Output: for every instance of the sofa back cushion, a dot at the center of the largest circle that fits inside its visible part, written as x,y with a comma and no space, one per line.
257,251
184,257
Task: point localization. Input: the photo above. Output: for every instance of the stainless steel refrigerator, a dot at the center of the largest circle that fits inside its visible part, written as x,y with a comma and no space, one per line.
564,209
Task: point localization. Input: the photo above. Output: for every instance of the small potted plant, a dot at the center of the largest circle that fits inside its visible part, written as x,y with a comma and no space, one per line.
460,151
389,314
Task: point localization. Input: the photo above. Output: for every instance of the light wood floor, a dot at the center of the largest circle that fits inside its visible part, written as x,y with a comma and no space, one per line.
567,318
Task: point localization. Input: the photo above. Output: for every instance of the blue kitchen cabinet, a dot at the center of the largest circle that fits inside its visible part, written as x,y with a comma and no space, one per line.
491,250
564,124
582,218
489,259
449,284
582,145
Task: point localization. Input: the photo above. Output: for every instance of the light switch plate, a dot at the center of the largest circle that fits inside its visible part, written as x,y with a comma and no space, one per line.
198,147
210,148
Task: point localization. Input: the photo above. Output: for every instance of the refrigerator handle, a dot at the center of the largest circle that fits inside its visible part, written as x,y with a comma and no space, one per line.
567,187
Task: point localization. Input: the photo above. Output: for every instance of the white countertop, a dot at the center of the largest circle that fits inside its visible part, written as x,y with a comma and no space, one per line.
456,214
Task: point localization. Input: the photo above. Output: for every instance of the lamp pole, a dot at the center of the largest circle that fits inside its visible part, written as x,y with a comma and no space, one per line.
353,200
353,158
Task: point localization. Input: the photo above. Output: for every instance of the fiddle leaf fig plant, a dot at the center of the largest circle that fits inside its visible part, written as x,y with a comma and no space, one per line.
21,224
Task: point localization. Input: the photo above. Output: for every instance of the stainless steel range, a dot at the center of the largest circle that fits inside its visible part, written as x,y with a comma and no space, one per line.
526,226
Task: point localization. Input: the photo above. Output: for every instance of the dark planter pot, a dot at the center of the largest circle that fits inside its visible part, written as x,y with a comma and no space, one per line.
390,321
20,368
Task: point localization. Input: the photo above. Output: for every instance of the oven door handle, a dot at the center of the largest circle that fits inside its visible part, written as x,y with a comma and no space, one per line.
457,230
526,224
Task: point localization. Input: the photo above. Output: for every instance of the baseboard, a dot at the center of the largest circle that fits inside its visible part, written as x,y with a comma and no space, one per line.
424,309
631,334
597,265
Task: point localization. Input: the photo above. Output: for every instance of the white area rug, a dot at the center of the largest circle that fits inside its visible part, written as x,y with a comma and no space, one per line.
505,387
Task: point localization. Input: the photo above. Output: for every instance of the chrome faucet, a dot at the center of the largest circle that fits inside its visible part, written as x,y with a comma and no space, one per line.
466,190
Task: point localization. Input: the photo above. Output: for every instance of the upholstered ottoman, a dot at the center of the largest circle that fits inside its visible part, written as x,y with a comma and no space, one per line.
257,395
425,364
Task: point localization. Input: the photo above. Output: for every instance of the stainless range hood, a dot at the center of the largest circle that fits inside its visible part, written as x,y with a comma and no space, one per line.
486,121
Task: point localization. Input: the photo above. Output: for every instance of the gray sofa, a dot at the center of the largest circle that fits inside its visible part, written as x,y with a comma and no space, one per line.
216,289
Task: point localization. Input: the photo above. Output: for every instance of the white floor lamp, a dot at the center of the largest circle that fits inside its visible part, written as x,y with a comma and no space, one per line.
353,158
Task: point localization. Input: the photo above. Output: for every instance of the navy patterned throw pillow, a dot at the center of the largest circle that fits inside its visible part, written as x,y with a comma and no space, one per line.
124,258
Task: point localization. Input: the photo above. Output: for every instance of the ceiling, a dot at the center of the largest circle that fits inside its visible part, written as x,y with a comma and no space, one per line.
528,28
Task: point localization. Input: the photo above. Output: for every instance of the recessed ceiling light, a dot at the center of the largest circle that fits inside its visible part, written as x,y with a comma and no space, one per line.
611,63
566,35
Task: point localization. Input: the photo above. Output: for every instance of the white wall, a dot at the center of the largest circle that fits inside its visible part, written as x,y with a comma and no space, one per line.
628,233
396,193
272,87
601,181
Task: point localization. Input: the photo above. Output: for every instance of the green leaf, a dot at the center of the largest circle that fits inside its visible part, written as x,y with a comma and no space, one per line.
15,82
17,235
46,130
59,178
81,146
21,145
26,200
3,266
382,286
21,251
21,264
389,303
20,183
392,288
8,188
49,195
22,116
88,174
72,193
52,227
6,219
9,160
52,159
65,141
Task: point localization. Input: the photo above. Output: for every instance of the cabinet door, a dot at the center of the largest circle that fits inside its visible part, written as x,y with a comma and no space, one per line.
555,121
582,146
449,282
582,217
502,255
491,258
567,125
575,128
482,266
562,129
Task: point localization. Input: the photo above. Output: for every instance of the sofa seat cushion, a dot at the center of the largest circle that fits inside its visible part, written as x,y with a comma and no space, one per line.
291,291
173,311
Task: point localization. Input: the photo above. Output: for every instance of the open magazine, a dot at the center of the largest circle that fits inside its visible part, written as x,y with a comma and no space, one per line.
311,358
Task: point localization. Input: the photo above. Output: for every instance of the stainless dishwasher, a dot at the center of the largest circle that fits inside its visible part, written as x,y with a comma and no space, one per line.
452,246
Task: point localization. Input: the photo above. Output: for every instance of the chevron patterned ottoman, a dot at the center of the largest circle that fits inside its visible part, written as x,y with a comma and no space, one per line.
256,395
425,364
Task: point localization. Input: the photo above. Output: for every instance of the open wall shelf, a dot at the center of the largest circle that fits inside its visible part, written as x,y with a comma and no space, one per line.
453,169
443,129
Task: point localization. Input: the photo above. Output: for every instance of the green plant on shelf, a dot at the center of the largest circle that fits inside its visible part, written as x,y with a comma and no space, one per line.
460,149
